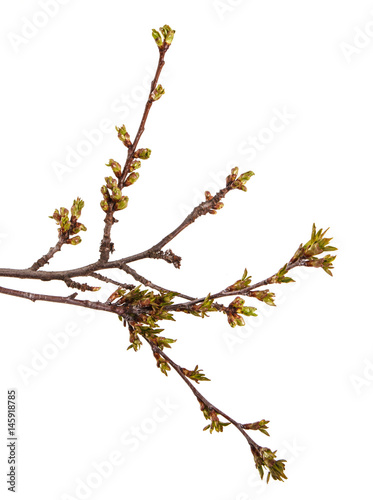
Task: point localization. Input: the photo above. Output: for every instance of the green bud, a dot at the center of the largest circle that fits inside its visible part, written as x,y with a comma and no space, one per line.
56,216
104,205
240,321
115,166
135,165
110,182
143,153
157,37
117,194
168,33
245,177
234,172
157,93
123,135
120,205
132,178
76,240
65,224
76,209
249,311
105,192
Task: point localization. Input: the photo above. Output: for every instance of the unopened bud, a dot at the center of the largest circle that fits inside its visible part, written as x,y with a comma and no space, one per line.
143,154
157,37
117,194
104,205
157,93
132,178
75,241
120,205
208,196
117,169
168,34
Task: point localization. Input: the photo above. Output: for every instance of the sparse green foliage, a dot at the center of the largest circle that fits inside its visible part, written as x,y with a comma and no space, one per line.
244,282
258,426
197,375
211,414
264,457
142,309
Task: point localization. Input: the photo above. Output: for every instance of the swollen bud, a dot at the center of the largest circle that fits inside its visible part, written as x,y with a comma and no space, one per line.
76,240
157,37
120,205
105,192
132,178
135,165
116,194
104,205
117,169
123,135
168,34
157,93
143,154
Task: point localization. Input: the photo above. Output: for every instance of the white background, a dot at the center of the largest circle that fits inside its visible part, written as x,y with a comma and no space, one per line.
306,365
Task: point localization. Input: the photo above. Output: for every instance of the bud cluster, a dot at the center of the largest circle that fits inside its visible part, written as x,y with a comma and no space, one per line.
244,282
69,225
315,246
123,136
197,375
264,457
216,206
210,414
263,295
258,426
157,93
234,182
115,196
235,309
168,36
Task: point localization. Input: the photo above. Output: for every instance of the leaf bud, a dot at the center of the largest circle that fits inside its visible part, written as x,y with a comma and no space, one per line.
75,241
157,93
121,204
116,168
157,37
104,205
132,178
123,136
143,153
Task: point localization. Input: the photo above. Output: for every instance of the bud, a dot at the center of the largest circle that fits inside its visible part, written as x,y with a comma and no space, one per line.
135,165
121,204
116,194
132,178
56,216
117,169
157,93
75,241
76,209
64,212
110,182
157,37
123,135
245,176
240,321
105,192
219,205
104,205
234,172
144,154
208,196
65,224
168,33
